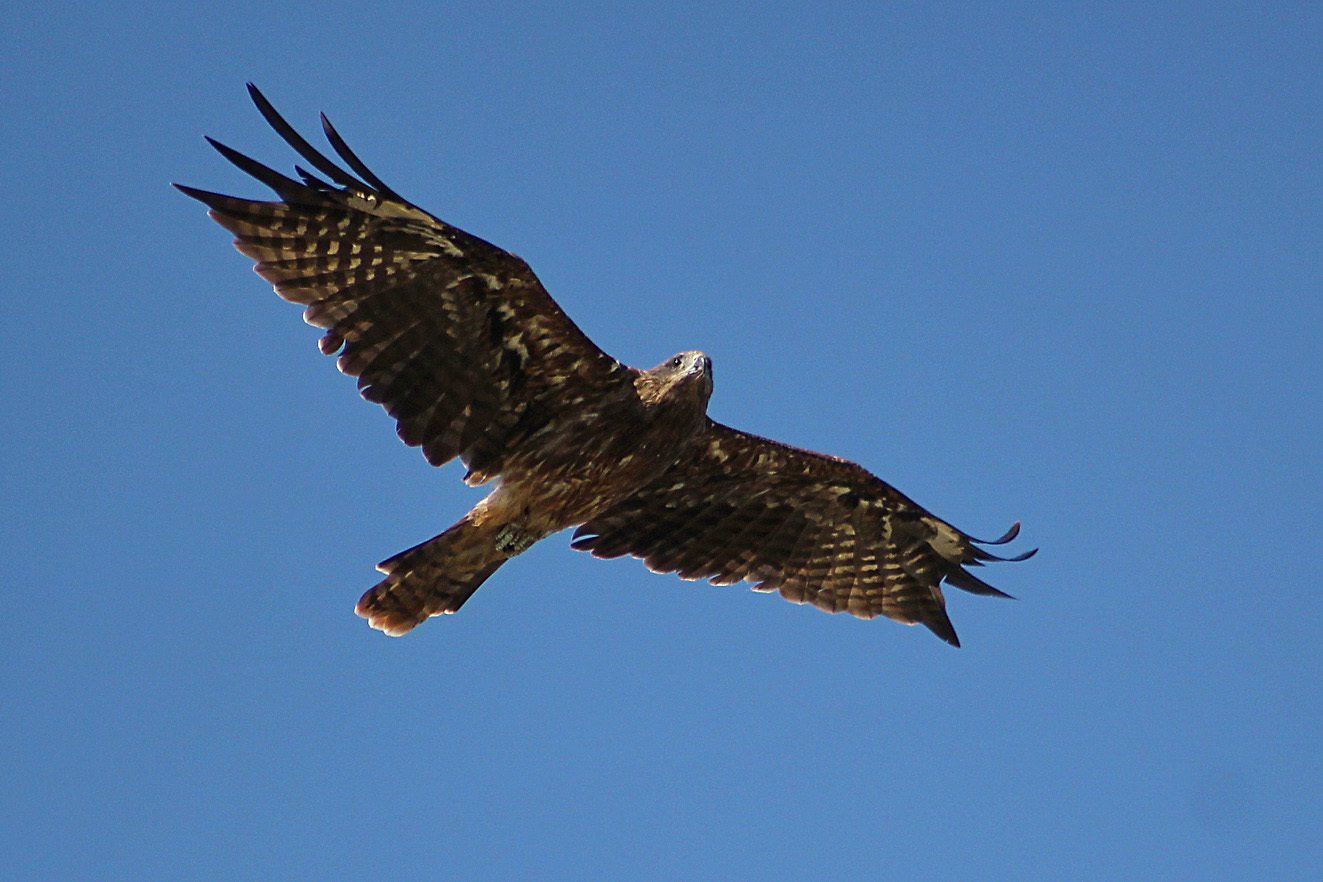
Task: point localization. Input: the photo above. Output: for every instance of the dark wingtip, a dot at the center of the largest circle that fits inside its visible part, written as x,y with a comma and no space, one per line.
285,187
1007,537
980,556
243,161
206,197
940,624
967,581
263,104
351,159
301,146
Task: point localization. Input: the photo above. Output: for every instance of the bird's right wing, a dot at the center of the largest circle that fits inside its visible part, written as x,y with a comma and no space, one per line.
454,337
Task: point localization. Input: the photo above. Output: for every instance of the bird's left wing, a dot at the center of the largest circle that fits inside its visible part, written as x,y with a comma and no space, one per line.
816,528
454,337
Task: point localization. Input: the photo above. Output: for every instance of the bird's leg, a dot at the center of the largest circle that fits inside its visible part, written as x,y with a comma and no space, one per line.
513,539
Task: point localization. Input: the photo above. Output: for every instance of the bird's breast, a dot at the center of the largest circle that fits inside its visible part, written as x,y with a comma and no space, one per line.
576,467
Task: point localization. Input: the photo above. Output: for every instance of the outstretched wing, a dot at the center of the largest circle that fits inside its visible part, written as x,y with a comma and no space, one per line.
454,337
816,528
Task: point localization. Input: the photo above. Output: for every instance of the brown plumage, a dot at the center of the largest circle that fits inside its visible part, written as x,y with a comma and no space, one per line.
460,343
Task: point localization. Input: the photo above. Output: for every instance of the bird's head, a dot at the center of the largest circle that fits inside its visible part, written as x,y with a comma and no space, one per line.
687,375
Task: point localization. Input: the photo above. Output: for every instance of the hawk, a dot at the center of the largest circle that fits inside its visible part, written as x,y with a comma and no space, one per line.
460,343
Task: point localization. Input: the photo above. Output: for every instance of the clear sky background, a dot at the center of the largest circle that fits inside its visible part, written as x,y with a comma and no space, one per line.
1058,263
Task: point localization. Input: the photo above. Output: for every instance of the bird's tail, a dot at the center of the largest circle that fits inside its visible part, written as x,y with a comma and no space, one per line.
432,578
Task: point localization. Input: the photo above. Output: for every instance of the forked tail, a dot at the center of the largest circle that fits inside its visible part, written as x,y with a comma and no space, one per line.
432,578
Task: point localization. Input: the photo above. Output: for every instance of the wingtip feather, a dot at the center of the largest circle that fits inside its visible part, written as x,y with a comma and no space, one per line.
1006,537
942,627
351,159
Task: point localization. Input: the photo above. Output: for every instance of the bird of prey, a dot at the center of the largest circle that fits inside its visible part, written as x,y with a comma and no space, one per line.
460,343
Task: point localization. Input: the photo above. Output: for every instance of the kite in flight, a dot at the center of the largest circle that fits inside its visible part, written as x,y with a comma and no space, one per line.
460,343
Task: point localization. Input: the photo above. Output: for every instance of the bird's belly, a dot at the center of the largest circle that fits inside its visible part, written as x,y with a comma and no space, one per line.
565,484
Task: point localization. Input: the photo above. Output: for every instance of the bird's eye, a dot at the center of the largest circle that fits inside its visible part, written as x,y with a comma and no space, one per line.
676,362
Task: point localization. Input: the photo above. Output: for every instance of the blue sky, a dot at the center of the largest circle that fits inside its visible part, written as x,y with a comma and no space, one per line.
1057,263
